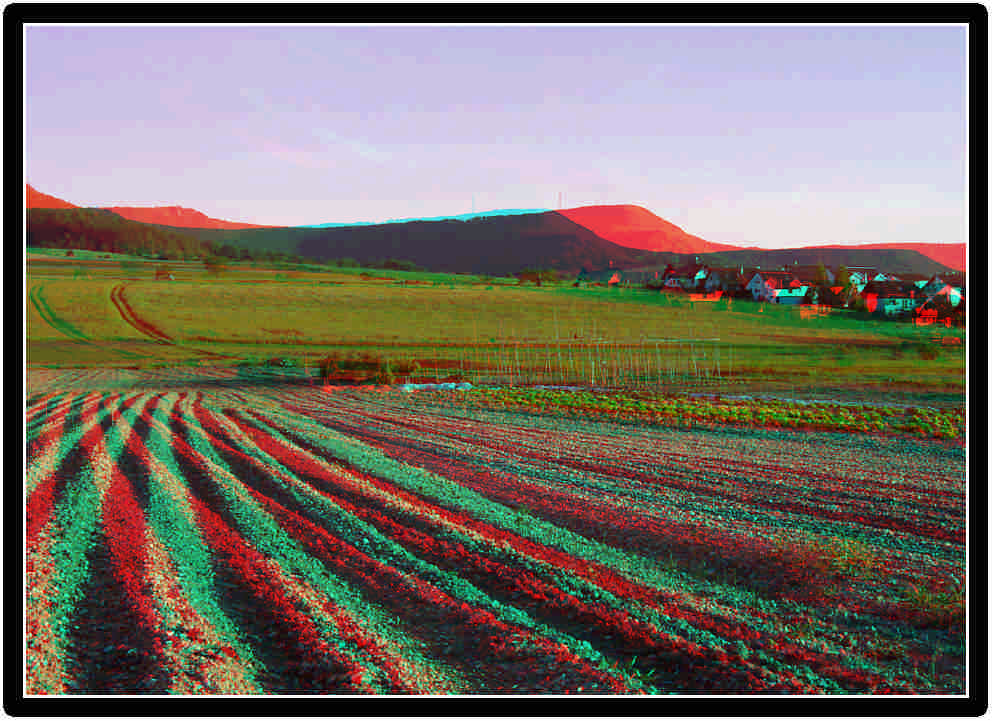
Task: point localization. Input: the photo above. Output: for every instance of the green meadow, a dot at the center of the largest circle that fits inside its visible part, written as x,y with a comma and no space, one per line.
98,309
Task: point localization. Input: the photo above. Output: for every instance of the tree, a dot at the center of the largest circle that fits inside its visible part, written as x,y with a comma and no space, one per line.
843,277
820,279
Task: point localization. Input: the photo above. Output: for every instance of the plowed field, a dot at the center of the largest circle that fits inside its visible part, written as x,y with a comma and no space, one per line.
207,537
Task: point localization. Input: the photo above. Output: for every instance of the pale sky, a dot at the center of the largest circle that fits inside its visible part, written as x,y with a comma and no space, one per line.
772,136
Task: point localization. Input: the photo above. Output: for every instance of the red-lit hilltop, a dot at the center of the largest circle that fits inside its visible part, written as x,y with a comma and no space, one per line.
172,215
953,255
36,199
635,227
597,236
179,217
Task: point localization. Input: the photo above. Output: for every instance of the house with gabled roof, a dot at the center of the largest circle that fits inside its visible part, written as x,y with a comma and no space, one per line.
891,297
764,281
685,277
795,295
728,280
937,285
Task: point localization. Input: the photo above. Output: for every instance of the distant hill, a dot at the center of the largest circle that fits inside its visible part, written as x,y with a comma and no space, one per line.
178,217
953,255
463,216
494,245
492,242
891,260
635,227
101,230
36,199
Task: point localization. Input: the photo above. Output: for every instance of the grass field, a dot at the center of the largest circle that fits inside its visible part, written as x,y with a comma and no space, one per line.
99,311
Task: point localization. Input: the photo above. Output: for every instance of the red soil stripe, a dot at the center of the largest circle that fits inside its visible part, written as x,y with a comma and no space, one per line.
126,531
132,318
809,506
40,407
388,583
609,619
633,632
40,503
295,633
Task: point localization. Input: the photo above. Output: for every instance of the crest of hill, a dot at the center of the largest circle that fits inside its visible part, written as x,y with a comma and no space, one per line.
494,245
178,217
635,227
953,255
36,199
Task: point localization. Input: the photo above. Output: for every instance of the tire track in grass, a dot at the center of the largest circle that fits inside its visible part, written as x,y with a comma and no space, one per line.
148,328
37,298
133,319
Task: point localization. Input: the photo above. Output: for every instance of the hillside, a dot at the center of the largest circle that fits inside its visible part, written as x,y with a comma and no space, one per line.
177,217
36,199
593,237
889,260
101,230
953,255
495,245
635,227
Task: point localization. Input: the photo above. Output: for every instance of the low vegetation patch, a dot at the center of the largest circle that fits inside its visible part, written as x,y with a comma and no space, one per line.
364,368
694,412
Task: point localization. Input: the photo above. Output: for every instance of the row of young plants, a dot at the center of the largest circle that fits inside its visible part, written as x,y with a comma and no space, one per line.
902,549
295,540
695,412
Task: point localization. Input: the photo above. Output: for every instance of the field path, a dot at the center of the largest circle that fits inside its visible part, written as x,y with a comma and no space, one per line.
133,319
145,327
37,298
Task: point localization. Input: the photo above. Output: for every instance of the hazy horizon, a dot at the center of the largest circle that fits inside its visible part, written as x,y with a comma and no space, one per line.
772,137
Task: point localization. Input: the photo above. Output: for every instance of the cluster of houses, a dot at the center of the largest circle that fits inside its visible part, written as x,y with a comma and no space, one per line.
905,295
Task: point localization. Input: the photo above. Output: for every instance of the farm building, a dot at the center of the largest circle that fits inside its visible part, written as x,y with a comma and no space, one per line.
729,280
762,282
891,297
788,296
685,277
938,286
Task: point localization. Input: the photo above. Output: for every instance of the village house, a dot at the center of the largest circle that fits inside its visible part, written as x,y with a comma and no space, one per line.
936,285
795,295
861,275
891,298
728,280
684,277
762,282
